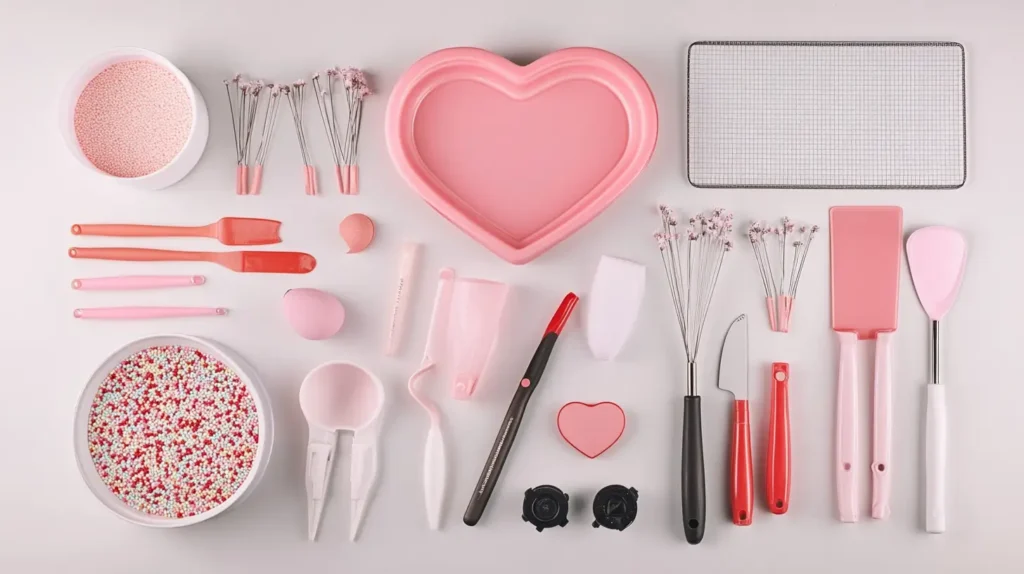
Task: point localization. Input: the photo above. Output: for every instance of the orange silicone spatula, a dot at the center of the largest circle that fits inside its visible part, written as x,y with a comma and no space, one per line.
241,261
228,230
866,251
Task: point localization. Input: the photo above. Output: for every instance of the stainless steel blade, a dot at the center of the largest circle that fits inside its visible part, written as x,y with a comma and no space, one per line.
733,365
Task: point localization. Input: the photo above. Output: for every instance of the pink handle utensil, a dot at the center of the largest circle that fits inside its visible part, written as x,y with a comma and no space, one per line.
881,479
148,312
129,282
866,248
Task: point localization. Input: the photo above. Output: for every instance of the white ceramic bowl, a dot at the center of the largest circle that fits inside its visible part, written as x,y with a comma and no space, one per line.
229,358
190,153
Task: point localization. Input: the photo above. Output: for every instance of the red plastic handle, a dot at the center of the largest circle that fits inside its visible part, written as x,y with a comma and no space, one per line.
742,467
777,463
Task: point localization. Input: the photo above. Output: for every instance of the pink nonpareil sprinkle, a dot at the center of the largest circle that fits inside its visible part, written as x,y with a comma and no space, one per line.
133,118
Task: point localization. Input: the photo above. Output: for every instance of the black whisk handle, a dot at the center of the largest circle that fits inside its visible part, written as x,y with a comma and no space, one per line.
694,501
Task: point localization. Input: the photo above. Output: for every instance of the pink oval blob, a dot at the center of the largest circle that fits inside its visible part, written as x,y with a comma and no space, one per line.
313,314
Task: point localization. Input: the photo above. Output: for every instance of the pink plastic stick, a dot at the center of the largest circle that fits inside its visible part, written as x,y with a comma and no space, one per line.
239,179
785,311
245,180
312,180
257,180
353,180
338,178
137,282
882,448
846,428
148,312
770,304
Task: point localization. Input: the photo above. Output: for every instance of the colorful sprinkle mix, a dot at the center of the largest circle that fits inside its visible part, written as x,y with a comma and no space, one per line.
173,432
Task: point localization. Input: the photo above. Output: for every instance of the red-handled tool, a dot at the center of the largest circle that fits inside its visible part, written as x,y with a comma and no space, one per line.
732,377
777,463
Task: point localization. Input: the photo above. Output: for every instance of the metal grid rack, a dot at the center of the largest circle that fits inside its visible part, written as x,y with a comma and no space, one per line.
826,115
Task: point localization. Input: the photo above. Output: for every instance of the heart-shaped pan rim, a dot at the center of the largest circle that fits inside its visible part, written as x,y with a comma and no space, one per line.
558,421
523,82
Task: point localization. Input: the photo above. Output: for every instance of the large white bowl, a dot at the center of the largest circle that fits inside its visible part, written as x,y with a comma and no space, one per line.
190,153
252,383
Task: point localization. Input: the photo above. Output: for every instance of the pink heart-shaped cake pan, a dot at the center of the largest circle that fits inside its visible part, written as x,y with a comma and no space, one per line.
520,157
591,428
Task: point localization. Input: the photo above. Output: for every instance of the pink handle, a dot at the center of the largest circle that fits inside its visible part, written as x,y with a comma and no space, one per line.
881,479
846,428
741,467
257,180
122,230
769,303
338,178
310,179
136,254
785,312
239,180
352,180
148,312
777,470
137,282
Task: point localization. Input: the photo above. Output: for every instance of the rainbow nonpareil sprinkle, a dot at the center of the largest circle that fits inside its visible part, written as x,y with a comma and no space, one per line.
173,432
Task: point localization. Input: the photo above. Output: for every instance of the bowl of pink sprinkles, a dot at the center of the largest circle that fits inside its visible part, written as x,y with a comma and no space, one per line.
132,116
172,430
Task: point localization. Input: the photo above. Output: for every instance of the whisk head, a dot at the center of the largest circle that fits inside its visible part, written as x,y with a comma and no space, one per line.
693,262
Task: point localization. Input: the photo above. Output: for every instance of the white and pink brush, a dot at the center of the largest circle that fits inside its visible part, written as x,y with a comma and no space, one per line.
780,253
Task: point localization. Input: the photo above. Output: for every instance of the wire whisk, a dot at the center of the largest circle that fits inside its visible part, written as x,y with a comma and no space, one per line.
243,102
266,135
296,94
344,144
780,253
693,261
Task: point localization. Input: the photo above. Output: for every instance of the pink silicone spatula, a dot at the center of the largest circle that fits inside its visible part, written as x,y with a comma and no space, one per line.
937,258
866,245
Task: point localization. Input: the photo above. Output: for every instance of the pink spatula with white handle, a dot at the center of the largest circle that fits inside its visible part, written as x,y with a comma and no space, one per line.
937,258
866,246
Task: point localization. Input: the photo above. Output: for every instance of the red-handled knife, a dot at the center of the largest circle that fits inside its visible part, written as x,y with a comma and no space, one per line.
732,377
777,469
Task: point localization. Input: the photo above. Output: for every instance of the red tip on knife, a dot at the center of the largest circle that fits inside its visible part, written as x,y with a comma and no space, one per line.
562,314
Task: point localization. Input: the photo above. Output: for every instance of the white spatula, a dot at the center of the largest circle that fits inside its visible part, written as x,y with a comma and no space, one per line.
937,257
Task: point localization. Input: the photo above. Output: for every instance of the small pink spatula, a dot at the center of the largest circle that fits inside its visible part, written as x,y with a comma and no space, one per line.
937,258
866,247
227,230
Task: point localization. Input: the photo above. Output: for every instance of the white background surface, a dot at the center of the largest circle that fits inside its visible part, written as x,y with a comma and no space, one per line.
49,521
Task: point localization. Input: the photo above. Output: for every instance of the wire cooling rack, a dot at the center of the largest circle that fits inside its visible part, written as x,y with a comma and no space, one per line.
826,115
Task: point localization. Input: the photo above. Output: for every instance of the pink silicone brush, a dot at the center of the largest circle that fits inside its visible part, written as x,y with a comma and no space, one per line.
937,257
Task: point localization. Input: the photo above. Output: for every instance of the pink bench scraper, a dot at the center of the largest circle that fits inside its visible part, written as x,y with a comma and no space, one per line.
866,245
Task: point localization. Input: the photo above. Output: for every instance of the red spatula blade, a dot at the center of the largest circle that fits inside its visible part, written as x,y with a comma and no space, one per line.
248,231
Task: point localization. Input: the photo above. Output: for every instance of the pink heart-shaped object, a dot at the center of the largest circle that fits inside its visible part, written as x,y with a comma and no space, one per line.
520,157
591,428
